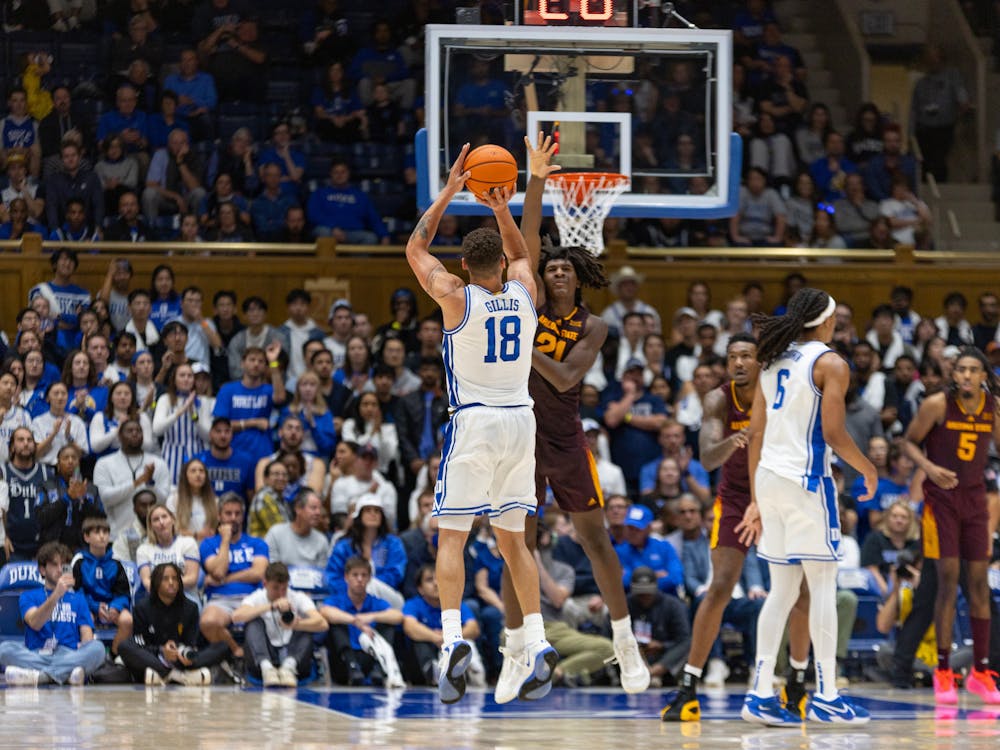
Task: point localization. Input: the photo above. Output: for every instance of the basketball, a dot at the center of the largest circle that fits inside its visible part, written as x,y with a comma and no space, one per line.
491,166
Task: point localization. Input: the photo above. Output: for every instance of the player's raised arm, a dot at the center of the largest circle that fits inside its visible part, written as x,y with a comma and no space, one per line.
433,276
540,166
514,247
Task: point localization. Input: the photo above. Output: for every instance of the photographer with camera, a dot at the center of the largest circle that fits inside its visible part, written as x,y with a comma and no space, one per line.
165,635
902,580
897,533
280,624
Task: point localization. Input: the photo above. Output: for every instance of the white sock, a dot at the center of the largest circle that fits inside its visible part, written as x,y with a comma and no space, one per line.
451,626
797,665
822,578
785,583
621,628
290,664
693,670
534,628
266,664
514,640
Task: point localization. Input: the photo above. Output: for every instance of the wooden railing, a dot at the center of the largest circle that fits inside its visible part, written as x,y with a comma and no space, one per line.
369,274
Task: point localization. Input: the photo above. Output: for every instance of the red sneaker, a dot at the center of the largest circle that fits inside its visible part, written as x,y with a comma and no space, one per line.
945,691
982,682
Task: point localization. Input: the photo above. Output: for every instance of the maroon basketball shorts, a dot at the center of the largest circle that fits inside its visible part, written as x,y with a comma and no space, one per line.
956,523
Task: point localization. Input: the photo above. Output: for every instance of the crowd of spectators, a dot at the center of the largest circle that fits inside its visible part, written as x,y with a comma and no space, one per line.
216,121
224,445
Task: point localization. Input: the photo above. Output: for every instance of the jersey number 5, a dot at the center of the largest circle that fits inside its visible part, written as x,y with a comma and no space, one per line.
779,396
966,446
510,339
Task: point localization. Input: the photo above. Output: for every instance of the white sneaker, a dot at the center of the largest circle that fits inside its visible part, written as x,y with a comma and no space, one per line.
269,675
716,674
541,661
287,677
153,678
77,677
513,672
382,651
634,672
22,677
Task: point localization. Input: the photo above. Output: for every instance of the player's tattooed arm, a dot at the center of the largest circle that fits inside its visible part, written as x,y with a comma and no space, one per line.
420,231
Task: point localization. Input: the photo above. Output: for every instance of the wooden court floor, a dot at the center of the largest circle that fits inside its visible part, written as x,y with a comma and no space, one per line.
226,718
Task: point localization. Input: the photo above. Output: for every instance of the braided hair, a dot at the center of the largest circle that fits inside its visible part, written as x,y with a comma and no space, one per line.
588,269
777,332
992,383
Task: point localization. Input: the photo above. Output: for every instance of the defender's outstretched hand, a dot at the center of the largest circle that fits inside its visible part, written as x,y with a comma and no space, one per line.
540,163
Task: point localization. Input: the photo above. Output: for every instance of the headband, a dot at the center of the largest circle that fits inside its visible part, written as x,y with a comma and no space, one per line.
831,305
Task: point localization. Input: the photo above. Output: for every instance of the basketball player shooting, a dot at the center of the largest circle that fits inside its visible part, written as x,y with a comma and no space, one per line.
567,342
488,463
797,416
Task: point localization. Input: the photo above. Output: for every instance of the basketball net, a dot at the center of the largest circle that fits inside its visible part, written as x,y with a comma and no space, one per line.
581,202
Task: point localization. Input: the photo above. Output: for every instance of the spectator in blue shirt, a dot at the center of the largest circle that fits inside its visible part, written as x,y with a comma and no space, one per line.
248,402
269,209
355,618
634,417
160,124
196,95
344,212
381,62
830,171
291,162
103,580
229,470
422,623
338,114
640,549
125,120
234,565
369,530
53,614
882,167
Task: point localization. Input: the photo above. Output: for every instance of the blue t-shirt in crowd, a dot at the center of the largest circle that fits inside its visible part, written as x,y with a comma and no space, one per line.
632,448
426,614
343,602
163,310
233,474
647,475
68,615
483,558
241,556
237,402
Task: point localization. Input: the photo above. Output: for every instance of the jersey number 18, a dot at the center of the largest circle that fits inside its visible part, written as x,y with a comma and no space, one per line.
509,345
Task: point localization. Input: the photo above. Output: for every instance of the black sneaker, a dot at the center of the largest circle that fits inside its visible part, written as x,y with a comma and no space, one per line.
355,675
793,694
683,707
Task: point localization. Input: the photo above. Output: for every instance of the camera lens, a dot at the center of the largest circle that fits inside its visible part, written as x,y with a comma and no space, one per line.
288,617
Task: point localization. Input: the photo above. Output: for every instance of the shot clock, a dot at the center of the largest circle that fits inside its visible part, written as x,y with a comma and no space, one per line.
616,13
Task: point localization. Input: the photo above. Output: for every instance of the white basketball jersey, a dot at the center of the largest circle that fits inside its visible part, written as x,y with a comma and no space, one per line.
793,446
487,357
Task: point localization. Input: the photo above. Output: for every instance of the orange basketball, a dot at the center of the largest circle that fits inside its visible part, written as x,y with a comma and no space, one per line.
491,166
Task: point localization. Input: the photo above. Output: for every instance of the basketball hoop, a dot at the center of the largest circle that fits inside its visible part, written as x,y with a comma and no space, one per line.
581,202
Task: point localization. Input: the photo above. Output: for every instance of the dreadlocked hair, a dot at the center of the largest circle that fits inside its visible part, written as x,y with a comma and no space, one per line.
777,332
589,270
992,381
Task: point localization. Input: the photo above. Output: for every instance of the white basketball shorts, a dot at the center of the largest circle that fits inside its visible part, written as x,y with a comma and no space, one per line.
488,462
797,524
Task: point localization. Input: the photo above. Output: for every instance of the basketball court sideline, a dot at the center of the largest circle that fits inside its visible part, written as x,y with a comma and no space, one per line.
228,717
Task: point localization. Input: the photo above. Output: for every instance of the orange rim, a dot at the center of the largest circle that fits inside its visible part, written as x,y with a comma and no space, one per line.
588,182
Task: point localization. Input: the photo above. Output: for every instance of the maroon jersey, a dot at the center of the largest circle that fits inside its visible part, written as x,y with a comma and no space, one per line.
961,442
735,484
558,414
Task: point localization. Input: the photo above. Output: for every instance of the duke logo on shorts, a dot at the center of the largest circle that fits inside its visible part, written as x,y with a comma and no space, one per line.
794,482
488,461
